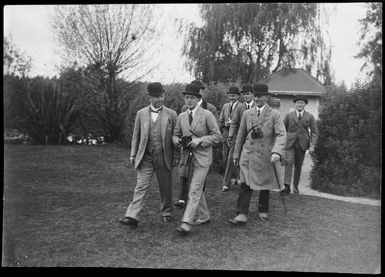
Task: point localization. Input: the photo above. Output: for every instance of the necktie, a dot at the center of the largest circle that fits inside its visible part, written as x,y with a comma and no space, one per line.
247,106
299,116
259,112
190,118
231,108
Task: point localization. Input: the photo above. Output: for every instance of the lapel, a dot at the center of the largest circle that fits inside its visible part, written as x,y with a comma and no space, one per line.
147,121
196,118
295,117
234,108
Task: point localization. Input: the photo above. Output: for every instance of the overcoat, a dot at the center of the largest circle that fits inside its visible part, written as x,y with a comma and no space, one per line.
305,130
140,136
254,154
236,119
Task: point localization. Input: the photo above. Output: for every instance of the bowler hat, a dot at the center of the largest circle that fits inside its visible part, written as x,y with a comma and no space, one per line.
300,97
260,89
155,89
192,89
198,83
246,88
233,90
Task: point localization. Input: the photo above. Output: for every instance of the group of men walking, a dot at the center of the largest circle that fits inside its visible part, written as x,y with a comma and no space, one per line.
256,144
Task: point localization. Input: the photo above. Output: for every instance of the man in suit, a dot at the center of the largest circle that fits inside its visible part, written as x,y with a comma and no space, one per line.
302,134
225,119
201,126
183,188
152,150
260,143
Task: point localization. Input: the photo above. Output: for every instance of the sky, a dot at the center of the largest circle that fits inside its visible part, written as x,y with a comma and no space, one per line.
28,25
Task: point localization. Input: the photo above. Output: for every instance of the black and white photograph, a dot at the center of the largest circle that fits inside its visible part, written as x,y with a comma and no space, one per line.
238,137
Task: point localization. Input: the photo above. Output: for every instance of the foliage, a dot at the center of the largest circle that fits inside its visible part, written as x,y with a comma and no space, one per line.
247,41
371,39
347,159
14,61
111,42
51,110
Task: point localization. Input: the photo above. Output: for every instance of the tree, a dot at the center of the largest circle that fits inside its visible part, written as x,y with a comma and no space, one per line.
371,39
111,42
252,40
14,61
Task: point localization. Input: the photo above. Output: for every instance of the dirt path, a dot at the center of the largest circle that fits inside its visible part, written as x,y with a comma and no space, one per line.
304,187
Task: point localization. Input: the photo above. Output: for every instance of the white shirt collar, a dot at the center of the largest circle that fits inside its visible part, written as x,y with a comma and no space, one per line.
250,104
152,107
299,112
261,109
193,110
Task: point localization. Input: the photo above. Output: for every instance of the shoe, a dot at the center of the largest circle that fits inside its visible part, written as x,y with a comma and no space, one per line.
263,218
237,222
132,222
295,190
286,190
224,189
180,203
201,221
182,231
167,218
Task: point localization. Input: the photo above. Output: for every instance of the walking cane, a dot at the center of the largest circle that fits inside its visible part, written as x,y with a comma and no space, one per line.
279,187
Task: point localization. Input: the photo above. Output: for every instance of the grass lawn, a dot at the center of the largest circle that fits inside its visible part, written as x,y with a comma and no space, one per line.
61,205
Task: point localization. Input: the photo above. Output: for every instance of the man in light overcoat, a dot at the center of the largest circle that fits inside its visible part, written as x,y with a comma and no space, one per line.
302,134
201,126
225,119
260,143
152,150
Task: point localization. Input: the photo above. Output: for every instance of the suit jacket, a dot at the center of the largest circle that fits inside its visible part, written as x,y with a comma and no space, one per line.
305,131
142,132
205,126
254,154
234,126
224,117
205,105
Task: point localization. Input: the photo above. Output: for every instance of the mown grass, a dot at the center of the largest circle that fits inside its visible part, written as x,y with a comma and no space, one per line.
61,205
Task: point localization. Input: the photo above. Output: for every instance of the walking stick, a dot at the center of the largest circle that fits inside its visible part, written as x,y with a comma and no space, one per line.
279,187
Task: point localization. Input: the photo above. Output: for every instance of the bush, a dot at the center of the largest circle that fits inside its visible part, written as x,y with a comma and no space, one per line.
347,159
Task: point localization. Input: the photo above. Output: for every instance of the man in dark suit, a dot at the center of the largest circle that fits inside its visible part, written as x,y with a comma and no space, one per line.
183,173
201,127
225,119
302,134
152,150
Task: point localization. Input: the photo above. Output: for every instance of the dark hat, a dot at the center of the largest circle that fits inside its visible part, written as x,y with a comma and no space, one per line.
233,90
246,88
300,97
192,89
198,83
155,89
260,89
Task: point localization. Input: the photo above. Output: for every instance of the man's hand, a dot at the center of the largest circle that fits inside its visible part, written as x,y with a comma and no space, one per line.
236,162
175,162
195,142
275,157
132,160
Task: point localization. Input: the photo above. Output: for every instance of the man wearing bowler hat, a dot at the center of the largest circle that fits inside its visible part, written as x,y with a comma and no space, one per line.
302,134
183,188
260,143
201,128
152,150
225,119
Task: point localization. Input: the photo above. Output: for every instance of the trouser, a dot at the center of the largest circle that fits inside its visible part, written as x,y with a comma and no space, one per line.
231,169
294,156
145,172
244,197
184,184
196,203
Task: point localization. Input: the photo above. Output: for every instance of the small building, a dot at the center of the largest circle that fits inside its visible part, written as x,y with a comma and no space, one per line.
287,83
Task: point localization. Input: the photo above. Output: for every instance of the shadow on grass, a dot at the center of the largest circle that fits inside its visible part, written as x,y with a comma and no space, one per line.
61,205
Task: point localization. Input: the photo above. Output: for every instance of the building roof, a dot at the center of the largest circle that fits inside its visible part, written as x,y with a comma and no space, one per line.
294,81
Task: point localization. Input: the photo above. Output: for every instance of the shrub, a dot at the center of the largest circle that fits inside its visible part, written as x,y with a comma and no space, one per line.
347,159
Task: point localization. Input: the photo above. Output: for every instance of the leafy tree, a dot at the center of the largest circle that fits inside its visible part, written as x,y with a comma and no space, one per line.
14,61
110,42
252,40
371,39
